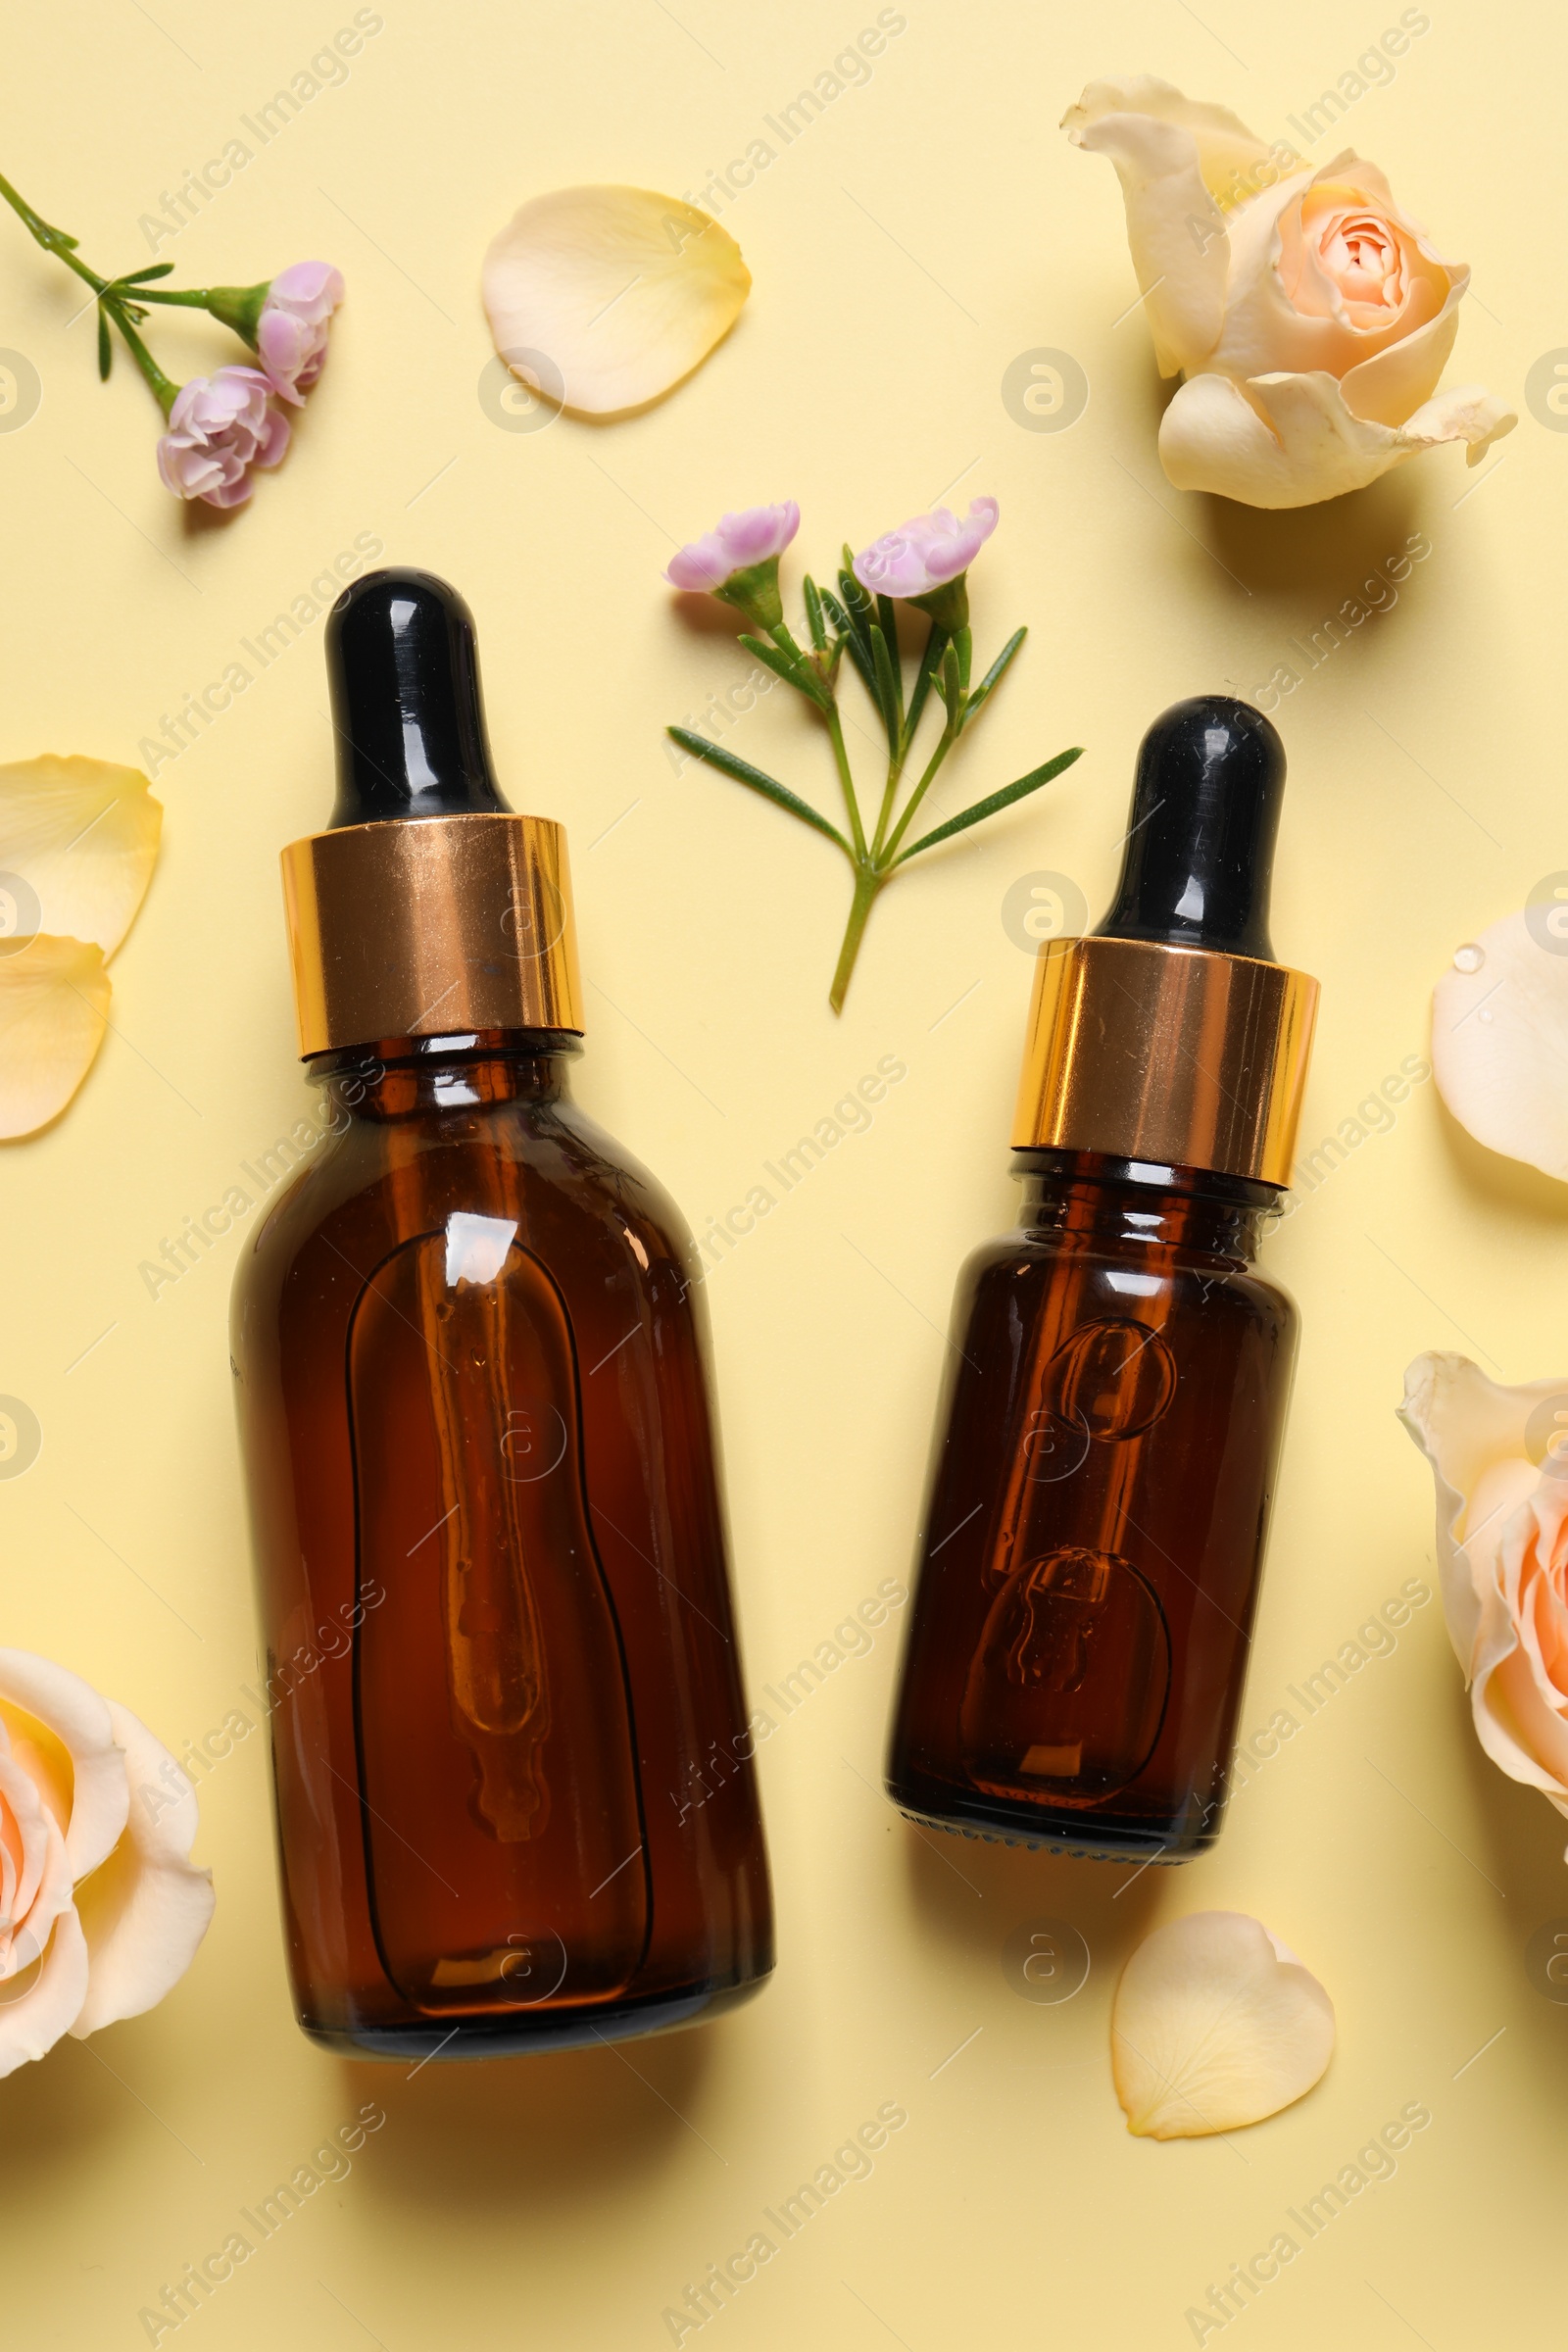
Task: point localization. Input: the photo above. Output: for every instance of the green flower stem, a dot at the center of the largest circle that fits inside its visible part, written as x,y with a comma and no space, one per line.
238,308
896,759
811,678
944,743
62,247
898,753
835,728
869,880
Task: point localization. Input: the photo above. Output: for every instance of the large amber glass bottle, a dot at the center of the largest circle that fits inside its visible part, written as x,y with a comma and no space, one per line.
1107,1444
516,1798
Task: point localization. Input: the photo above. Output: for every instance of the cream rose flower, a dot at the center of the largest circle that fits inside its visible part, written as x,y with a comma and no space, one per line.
1310,317
100,1909
1499,1457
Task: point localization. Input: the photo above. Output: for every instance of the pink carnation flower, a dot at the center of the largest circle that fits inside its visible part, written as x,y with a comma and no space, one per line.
926,552
736,544
292,329
220,429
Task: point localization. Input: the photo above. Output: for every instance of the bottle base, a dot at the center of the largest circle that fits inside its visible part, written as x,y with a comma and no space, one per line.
1041,1831
517,2033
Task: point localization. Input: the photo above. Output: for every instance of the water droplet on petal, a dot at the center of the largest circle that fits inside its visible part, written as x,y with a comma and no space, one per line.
1469,957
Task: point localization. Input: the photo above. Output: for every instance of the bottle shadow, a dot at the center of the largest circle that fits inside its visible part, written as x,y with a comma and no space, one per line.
540,2131
979,1899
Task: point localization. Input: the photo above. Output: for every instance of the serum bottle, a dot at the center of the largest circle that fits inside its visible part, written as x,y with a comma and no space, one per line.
1106,1448
516,1801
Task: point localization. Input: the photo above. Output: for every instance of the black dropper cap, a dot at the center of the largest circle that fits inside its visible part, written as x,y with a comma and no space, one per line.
1200,836
402,665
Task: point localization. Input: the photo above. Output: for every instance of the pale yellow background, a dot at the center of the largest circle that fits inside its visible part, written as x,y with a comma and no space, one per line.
929,228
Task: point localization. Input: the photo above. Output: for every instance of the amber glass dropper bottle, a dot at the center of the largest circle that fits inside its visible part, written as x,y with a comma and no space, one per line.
1106,1448
515,1800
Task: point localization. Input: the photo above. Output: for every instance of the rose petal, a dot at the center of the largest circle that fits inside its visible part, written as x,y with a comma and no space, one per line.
1215,2025
29,1847
78,1718
1228,153
53,1008
147,1909
1290,440
1267,332
624,290
1472,1431
1175,230
33,2021
1391,387
1499,1036
1520,1712
1502,1512
83,835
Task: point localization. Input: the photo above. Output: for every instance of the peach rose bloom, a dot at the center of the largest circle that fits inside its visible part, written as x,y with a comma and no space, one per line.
1310,314
1499,1457
100,1909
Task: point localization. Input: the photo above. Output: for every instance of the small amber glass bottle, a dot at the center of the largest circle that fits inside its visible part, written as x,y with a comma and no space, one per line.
1106,1448
515,1800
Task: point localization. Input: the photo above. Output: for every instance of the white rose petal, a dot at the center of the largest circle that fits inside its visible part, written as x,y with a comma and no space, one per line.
83,834
43,1960
1215,2025
1174,229
72,1710
1228,153
625,291
100,1909
1498,1461
54,1010
33,2021
1266,332
147,1909
1310,316
1290,440
1500,1042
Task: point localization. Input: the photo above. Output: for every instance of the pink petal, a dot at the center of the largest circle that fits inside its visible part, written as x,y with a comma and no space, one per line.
314,289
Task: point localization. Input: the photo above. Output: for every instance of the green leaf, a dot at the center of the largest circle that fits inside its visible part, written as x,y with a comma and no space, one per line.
856,602
859,653
951,684
888,620
106,351
140,277
813,614
890,699
793,671
992,678
935,646
965,643
996,800
743,772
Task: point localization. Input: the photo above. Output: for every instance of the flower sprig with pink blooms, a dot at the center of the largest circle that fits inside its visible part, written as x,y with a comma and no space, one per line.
224,427
925,563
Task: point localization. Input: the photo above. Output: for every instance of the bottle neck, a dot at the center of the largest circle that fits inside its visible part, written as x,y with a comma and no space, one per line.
401,1077
1079,1197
